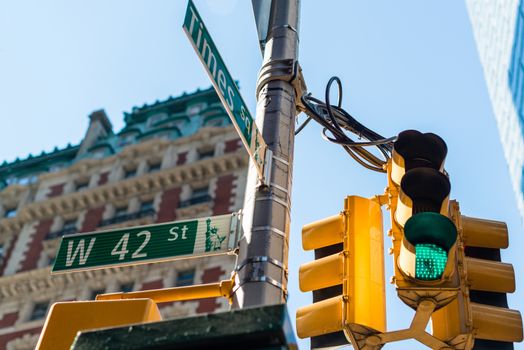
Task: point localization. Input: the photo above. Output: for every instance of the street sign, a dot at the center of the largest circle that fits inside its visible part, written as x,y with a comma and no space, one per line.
225,86
145,244
262,12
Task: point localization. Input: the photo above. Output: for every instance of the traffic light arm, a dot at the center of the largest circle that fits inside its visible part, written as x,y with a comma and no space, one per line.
211,290
415,331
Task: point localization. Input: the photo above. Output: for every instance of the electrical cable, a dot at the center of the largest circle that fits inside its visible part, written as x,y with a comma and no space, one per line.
303,125
336,122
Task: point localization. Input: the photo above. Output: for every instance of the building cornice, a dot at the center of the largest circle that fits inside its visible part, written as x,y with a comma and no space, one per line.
185,174
196,171
140,149
39,280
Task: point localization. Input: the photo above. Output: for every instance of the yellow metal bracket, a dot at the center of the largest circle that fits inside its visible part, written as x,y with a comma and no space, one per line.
165,295
362,339
381,199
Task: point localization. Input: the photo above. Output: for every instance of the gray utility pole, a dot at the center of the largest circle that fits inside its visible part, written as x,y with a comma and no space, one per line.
263,254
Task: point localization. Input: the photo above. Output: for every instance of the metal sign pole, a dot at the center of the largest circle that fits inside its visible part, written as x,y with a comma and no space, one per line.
263,254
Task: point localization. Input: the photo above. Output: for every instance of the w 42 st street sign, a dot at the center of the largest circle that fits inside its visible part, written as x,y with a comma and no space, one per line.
146,244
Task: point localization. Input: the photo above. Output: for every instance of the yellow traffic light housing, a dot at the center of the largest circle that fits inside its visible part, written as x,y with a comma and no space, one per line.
424,238
361,308
480,311
65,319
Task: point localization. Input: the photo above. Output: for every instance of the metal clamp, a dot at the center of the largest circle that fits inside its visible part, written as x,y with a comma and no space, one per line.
269,228
235,231
287,70
255,259
262,279
268,165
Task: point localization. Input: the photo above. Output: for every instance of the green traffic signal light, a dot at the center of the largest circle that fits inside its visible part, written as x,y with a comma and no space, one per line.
432,235
430,261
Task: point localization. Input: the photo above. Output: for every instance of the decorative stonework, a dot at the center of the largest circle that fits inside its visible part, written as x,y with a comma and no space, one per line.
198,171
181,171
25,342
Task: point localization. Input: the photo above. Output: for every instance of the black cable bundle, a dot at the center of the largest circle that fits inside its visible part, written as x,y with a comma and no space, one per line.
333,119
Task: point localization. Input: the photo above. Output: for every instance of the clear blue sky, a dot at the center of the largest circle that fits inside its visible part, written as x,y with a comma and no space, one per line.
404,65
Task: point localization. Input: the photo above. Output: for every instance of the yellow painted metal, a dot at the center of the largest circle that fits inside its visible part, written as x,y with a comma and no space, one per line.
405,208
65,319
496,323
403,252
359,268
490,276
484,233
210,290
397,167
395,233
407,259
323,233
320,318
445,322
321,273
463,317
450,321
365,280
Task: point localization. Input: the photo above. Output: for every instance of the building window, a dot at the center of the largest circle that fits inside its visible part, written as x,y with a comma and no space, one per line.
39,311
68,228
127,287
26,180
69,225
147,206
185,278
81,186
95,292
157,118
207,153
179,124
120,211
199,195
128,173
195,109
10,213
11,180
57,167
154,167
200,192
215,122
125,140
98,154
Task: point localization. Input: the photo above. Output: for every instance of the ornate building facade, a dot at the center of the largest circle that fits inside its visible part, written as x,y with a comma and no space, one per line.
175,159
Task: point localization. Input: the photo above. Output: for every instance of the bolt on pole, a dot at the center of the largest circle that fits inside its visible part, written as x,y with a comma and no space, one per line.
263,254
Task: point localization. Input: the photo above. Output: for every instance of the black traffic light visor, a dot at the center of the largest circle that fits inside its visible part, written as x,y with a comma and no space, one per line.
431,228
420,150
427,188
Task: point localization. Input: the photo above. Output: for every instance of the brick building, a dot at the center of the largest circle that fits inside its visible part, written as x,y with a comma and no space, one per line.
175,159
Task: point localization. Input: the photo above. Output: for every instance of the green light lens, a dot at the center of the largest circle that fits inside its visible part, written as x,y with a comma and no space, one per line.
430,262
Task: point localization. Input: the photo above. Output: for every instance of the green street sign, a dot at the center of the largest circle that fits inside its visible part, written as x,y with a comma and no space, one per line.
225,86
146,244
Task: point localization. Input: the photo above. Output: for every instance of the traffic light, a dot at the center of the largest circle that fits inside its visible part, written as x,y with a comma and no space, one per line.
481,309
65,319
359,307
424,238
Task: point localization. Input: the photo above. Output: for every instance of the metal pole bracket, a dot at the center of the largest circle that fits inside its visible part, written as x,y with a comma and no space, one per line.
287,70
